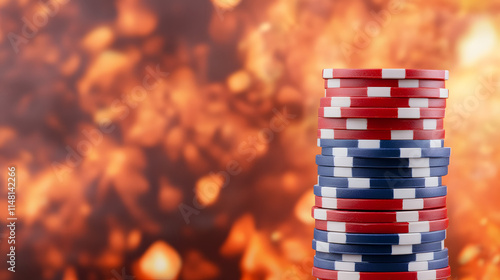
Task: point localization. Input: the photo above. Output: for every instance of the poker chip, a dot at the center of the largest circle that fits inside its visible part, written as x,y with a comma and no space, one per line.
380,267
381,162
327,274
379,239
379,124
381,134
396,92
402,83
376,249
382,102
420,257
386,74
362,172
387,152
380,204
379,193
379,183
398,113
378,217
408,227
380,144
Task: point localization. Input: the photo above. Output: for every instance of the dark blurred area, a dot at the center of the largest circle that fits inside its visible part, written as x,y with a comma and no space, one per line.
176,139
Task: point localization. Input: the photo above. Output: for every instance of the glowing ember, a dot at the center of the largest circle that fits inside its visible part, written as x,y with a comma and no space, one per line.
208,188
226,4
160,261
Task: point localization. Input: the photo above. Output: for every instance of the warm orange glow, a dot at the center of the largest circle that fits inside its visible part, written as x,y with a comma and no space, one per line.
240,233
170,197
134,239
239,81
303,208
226,4
468,253
160,261
479,42
208,189
240,91
98,39
70,274
134,18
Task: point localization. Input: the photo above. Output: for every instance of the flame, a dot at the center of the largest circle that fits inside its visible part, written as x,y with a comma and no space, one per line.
160,261
240,233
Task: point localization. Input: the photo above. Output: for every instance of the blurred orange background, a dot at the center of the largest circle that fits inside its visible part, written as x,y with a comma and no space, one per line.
176,139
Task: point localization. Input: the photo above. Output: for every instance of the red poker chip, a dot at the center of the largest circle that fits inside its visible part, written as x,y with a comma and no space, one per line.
382,102
406,227
386,74
350,83
387,92
381,134
400,113
378,217
380,204
325,274
379,124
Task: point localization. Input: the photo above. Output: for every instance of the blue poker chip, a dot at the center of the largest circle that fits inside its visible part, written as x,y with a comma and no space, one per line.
379,183
428,256
381,162
388,173
377,144
326,247
379,193
380,267
379,239
387,152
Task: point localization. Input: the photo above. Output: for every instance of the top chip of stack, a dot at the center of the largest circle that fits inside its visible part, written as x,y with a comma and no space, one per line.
386,74
380,206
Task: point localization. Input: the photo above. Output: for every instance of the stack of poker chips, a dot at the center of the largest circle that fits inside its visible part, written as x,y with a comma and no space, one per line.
380,205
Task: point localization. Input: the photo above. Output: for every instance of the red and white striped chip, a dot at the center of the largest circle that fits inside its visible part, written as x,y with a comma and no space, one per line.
406,227
382,102
386,74
350,83
399,113
378,217
381,134
380,204
379,124
326,274
387,92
